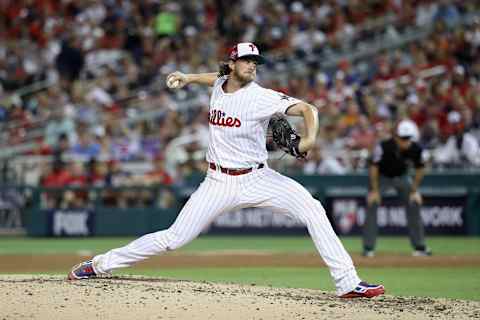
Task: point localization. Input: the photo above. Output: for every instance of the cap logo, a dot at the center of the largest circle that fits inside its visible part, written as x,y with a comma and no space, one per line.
245,49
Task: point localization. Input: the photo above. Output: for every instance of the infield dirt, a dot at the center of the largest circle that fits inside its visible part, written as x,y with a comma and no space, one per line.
53,297
234,259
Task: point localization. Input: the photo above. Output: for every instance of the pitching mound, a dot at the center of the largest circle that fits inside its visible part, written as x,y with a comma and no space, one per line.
52,297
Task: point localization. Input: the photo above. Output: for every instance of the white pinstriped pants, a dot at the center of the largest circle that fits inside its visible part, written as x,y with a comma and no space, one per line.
220,193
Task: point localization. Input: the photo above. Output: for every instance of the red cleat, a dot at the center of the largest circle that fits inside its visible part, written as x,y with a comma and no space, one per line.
365,290
82,270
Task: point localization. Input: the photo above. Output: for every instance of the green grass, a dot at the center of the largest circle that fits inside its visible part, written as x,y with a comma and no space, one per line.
454,282
299,244
461,283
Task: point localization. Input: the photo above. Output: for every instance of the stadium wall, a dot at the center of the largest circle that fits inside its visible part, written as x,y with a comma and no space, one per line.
451,207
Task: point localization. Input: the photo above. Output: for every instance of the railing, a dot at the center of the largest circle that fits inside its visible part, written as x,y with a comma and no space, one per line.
12,209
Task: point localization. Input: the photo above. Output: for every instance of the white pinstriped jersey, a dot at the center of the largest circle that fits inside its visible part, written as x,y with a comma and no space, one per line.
238,123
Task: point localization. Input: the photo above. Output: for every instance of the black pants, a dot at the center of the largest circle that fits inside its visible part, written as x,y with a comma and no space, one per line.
403,186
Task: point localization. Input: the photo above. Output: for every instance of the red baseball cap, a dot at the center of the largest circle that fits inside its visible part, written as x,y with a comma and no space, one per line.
246,49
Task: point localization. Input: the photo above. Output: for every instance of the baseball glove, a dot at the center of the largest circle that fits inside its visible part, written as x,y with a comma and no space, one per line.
285,137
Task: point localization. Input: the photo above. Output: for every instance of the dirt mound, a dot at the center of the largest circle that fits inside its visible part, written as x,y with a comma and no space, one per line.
52,297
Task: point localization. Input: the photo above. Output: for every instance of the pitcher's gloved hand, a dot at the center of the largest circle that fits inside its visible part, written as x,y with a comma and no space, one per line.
285,137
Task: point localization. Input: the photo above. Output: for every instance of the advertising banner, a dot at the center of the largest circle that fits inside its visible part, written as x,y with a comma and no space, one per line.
255,220
440,215
71,222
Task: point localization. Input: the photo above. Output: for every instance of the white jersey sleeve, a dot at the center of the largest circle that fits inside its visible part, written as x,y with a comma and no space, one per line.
271,102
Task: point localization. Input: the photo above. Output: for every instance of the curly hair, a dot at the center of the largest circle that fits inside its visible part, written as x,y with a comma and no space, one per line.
224,69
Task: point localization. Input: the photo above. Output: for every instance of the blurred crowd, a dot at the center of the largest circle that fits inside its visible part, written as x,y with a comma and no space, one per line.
84,80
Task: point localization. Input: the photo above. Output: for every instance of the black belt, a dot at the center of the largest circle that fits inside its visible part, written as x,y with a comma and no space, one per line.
233,172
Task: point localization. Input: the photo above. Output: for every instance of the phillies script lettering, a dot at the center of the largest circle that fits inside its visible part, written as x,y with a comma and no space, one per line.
218,118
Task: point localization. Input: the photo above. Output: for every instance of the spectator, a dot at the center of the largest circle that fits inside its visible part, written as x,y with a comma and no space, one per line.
61,149
96,173
447,13
363,135
78,179
59,124
350,118
322,163
115,179
70,60
57,176
86,146
461,147
167,20
158,176
331,147
54,176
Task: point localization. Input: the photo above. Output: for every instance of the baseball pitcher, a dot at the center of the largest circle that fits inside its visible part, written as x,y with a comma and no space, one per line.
238,174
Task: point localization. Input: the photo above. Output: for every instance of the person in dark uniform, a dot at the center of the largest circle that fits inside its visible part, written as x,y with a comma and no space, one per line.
388,169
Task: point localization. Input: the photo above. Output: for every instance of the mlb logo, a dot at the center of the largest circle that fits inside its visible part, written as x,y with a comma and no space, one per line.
345,214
